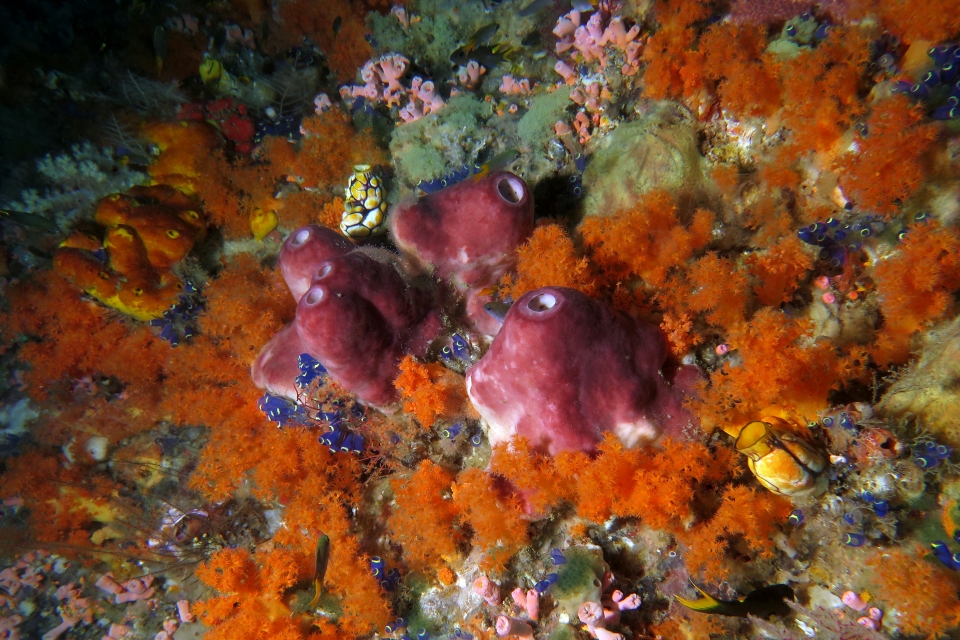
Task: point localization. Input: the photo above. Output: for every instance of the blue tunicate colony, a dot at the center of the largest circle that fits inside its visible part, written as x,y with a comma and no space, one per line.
179,322
312,411
939,89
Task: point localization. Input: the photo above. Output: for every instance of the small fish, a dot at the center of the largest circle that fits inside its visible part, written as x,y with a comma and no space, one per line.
762,603
323,557
159,47
498,310
531,40
488,56
481,36
532,8
489,291
497,162
30,220
337,24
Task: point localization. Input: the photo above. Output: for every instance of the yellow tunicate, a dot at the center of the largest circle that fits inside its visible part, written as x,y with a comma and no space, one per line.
782,462
262,222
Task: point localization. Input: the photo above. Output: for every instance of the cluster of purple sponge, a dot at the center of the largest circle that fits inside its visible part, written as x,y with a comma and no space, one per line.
562,370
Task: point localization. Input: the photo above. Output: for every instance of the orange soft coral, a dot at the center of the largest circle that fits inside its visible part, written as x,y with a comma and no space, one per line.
779,270
781,371
922,594
915,287
251,606
747,85
422,521
647,241
246,304
718,288
330,149
821,91
891,162
672,68
744,514
430,391
345,47
933,21
537,476
498,526
547,258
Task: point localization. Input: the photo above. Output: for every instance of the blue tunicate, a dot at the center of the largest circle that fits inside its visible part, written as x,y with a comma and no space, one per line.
849,519
353,443
942,553
942,451
854,539
926,462
306,362
822,31
791,31
377,565
837,256
575,185
452,431
867,497
946,113
920,91
279,410
902,86
931,78
358,412
446,353
422,634
846,422
333,439
167,333
796,517
839,235
956,535
948,72
827,421
580,161
460,347
942,55
881,508
476,440
557,557
542,586
552,577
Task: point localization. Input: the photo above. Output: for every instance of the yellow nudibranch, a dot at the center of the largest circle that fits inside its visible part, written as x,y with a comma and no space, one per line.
364,210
